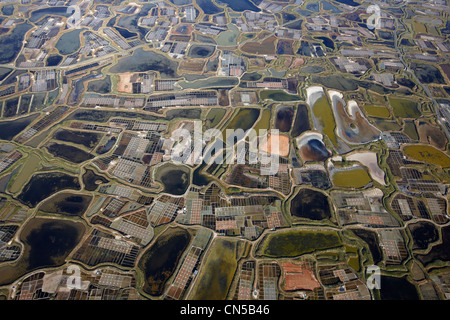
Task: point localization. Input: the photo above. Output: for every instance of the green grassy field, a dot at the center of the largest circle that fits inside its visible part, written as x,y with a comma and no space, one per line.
214,116
323,112
218,271
355,178
404,108
428,154
377,111
278,95
264,121
31,165
298,242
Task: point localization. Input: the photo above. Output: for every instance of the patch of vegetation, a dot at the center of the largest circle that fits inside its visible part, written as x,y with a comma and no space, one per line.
355,178
427,153
278,95
404,108
298,242
377,111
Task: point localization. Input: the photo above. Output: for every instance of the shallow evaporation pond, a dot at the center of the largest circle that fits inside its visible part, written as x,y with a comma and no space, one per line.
69,42
141,61
47,244
174,178
42,185
9,129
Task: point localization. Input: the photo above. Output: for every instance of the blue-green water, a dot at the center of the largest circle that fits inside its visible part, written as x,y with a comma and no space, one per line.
69,42
239,5
57,11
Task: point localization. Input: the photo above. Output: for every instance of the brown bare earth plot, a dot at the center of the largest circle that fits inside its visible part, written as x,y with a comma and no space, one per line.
194,66
270,145
431,134
446,69
125,83
299,276
298,62
266,46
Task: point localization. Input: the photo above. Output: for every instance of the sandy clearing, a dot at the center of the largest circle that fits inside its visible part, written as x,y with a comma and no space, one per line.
369,159
313,94
278,144
124,84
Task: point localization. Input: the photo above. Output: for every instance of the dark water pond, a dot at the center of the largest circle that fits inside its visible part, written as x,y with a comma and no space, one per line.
208,7
310,204
423,233
8,10
107,146
42,185
78,87
11,43
100,85
47,244
312,69
10,107
131,22
125,33
181,2
251,76
313,6
297,25
57,11
4,72
12,78
51,241
160,260
91,180
342,83
278,95
244,119
69,153
428,73
141,61
283,119
438,252
201,51
183,113
239,5
53,60
69,42
286,16
301,122
174,178
316,150
396,288
9,129
371,238
327,42
349,2
198,178
67,204
87,139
